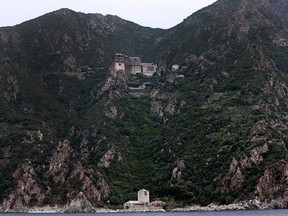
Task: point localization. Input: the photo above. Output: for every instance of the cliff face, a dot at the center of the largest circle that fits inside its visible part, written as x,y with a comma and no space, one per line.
28,191
272,184
74,134
64,178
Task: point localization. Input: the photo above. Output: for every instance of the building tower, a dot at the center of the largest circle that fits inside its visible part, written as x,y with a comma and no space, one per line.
143,196
135,65
119,62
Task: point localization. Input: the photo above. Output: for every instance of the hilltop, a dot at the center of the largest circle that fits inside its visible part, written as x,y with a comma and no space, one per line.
215,131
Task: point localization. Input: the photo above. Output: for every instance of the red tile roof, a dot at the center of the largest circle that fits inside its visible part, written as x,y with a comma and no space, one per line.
157,202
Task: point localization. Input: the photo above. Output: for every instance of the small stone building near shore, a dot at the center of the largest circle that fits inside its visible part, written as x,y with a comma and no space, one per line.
143,203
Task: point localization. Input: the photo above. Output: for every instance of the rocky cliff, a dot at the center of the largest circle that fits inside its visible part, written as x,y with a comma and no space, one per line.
63,178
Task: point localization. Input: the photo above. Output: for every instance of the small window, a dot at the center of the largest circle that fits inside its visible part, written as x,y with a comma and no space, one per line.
119,64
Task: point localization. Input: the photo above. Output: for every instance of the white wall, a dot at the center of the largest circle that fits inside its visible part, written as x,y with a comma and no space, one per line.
143,196
119,66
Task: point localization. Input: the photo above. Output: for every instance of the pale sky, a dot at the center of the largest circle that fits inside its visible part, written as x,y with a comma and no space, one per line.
152,13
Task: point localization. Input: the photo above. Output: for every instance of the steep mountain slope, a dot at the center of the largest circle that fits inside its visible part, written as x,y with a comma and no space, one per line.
49,68
66,41
240,59
238,53
72,130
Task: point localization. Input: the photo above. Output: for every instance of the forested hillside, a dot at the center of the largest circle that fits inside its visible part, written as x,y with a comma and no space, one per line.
214,131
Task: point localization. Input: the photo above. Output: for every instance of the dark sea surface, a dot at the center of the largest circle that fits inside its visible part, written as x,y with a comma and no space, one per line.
209,213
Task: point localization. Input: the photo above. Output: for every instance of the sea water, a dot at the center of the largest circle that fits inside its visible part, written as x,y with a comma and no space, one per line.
283,212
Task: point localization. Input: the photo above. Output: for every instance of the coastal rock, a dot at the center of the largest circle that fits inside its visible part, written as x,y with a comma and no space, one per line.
91,184
273,183
253,204
232,94
28,191
79,204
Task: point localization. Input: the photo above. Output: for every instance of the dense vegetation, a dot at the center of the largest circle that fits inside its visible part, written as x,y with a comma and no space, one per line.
179,136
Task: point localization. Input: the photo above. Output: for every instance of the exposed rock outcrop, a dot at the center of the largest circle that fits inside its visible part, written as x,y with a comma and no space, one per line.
32,136
12,89
75,177
92,184
115,84
59,167
243,205
157,108
225,118
79,204
28,191
110,110
273,183
161,104
85,187
233,179
177,171
256,154
105,160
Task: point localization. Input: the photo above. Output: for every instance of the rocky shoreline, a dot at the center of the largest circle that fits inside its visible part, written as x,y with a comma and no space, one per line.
245,205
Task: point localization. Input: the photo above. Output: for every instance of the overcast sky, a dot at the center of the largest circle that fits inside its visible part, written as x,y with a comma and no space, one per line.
152,13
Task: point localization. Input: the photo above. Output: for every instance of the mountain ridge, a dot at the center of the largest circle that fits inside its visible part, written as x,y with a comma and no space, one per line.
211,132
